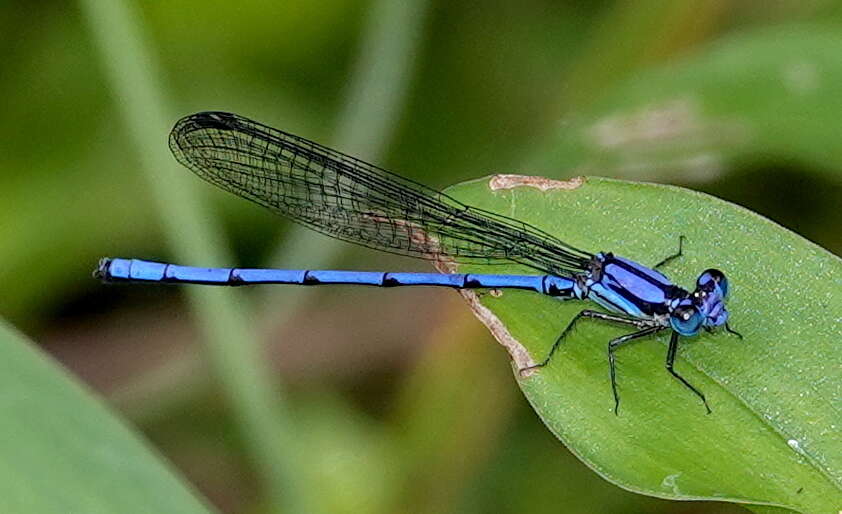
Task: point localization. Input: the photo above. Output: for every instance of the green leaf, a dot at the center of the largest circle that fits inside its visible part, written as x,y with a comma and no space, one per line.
64,452
763,94
773,436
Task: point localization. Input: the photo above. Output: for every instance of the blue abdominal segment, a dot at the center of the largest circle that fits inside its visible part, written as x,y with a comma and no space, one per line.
136,270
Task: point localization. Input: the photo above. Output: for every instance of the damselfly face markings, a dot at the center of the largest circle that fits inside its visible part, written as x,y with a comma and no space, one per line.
354,201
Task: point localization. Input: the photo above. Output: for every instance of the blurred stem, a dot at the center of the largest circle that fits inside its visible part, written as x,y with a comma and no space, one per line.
450,415
193,236
373,102
381,78
162,390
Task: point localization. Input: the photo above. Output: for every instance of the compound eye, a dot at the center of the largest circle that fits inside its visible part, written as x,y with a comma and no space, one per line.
686,319
710,279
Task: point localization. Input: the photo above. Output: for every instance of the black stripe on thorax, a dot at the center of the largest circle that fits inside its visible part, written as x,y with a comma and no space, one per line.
645,306
635,271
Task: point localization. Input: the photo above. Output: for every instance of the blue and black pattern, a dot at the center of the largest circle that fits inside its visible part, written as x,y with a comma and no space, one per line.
354,201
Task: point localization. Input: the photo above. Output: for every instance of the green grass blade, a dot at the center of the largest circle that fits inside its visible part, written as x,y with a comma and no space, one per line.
233,348
773,437
63,451
375,97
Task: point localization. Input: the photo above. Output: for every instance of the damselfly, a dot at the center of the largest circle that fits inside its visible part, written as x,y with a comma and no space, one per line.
354,201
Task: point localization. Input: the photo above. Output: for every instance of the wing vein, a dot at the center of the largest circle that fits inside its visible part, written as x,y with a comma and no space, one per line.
351,200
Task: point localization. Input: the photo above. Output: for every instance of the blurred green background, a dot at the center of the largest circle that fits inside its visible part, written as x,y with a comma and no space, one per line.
395,401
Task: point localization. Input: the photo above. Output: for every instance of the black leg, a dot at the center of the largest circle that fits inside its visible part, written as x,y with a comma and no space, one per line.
728,329
671,352
673,256
612,347
640,323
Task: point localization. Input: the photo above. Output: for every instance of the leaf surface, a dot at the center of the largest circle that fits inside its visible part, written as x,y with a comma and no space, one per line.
773,436
63,451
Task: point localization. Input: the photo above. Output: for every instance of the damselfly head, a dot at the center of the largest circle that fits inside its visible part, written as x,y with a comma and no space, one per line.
709,297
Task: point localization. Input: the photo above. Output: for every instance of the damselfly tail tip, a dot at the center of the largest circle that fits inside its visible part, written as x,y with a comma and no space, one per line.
101,272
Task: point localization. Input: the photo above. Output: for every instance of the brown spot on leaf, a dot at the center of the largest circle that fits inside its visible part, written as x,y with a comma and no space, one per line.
509,181
520,356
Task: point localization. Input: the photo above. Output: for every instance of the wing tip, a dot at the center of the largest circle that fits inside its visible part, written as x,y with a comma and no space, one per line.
219,120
